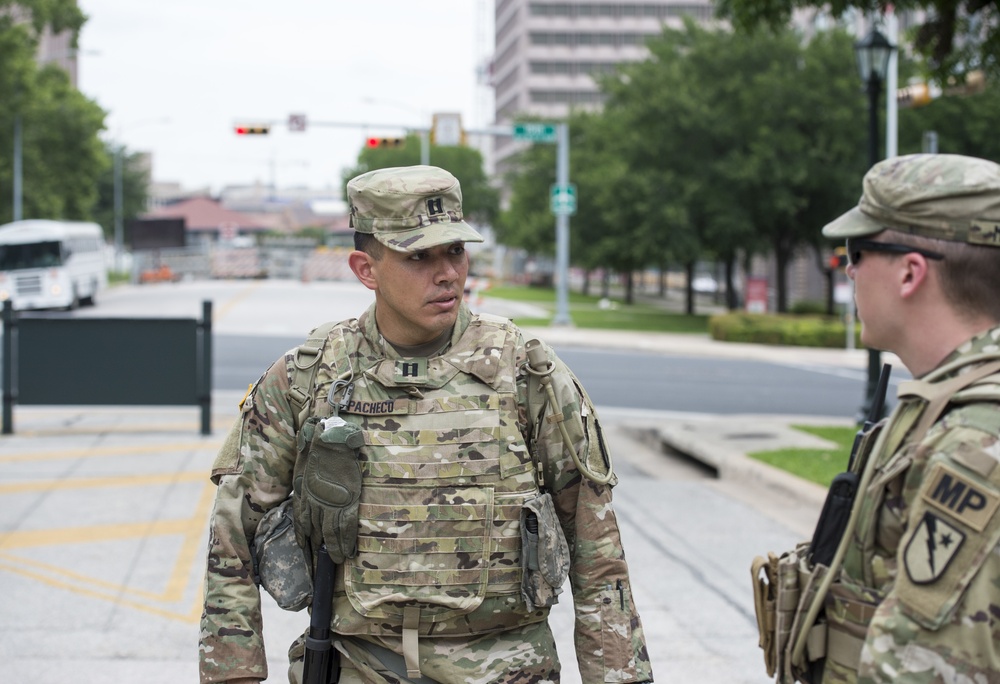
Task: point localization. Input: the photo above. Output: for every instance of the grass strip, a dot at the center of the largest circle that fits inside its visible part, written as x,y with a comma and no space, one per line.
816,465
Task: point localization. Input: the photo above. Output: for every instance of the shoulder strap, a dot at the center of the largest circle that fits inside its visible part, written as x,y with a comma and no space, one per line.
939,394
304,367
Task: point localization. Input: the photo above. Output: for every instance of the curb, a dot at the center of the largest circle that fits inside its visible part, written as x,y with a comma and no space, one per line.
731,464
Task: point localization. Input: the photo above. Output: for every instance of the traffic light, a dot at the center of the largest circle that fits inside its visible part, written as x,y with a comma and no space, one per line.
394,143
838,259
914,95
253,129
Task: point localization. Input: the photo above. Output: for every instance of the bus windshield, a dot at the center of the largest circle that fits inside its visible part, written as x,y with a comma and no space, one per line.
33,255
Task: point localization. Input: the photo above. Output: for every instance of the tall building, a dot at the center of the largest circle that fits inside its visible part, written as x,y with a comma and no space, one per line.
547,53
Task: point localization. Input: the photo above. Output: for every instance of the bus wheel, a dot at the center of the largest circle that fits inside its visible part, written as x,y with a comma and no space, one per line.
91,299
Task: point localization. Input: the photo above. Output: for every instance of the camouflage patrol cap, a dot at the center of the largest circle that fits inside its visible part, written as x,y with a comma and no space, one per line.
409,208
944,196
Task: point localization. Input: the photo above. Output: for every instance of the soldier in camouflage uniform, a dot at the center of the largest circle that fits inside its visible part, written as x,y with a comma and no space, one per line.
916,597
463,489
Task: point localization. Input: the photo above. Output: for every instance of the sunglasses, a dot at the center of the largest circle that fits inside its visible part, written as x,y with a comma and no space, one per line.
856,247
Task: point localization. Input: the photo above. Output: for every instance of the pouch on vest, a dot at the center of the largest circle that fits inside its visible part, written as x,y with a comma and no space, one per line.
279,561
544,553
784,589
794,571
328,491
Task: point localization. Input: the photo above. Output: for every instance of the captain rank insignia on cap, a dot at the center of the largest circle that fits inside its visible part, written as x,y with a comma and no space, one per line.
984,233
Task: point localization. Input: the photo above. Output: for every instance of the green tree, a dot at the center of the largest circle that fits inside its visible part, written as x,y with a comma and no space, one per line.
964,125
61,152
755,136
954,37
527,222
480,200
59,15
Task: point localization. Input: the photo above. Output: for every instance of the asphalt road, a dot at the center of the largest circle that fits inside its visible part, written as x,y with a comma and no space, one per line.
632,379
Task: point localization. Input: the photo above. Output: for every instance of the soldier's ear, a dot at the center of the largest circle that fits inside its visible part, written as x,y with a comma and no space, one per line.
362,265
913,271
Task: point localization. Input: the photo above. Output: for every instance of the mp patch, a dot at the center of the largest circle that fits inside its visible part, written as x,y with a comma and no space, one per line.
932,547
960,497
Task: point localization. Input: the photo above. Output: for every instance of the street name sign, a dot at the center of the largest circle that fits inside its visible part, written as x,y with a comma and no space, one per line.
535,131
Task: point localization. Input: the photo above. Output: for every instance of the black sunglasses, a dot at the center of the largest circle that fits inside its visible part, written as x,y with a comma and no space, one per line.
855,247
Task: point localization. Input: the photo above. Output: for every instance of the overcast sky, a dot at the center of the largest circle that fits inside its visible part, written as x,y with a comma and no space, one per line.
175,77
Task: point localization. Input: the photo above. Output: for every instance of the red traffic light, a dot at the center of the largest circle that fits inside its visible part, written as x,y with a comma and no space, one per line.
838,259
385,142
257,129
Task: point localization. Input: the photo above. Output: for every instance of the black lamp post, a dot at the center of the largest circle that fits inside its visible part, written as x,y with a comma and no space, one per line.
872,53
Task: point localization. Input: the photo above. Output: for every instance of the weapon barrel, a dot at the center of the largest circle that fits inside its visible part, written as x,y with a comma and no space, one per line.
322,662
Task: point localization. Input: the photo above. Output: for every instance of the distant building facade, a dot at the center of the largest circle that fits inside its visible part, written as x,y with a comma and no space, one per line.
547,53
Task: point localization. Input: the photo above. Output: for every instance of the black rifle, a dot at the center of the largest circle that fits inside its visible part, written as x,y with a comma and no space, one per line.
844,488
322,661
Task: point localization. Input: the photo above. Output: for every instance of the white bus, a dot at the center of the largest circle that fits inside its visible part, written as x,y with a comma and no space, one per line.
51,264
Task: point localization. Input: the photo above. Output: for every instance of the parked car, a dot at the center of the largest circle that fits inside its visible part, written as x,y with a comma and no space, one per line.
705,284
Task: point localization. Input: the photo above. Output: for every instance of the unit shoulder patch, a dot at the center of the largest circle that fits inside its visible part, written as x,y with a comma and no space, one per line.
931,549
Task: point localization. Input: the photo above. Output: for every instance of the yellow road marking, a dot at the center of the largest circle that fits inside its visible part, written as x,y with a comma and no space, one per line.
145,428
229,304
208,444
191,530
91,483
191,617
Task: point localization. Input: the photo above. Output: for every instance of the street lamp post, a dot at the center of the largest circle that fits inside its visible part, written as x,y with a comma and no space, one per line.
18,170
872,53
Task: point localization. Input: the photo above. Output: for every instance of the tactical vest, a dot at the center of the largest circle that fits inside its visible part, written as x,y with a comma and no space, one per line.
869,569
445,471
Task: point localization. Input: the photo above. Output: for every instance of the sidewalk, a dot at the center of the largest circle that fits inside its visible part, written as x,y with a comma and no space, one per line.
103,516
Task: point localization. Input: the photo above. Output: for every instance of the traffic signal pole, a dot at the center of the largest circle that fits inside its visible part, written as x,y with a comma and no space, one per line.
262,127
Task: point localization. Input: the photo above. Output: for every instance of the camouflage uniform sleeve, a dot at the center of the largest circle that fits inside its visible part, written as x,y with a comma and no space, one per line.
254,474
610,646
938,622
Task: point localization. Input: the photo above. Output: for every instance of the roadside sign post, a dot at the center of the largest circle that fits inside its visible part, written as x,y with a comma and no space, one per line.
562,203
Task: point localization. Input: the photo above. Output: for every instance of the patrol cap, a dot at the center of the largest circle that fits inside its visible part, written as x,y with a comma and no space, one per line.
409,208
944,196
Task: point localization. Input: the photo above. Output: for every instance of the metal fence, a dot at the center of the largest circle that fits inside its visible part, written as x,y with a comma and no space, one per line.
289,259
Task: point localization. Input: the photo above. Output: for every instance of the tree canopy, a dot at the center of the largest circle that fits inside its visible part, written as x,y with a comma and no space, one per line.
954,37
718,144
62,155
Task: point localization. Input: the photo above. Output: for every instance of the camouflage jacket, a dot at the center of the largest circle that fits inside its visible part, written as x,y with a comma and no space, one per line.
256,475
918,589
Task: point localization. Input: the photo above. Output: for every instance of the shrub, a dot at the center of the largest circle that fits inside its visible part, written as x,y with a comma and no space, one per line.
807,306
778,329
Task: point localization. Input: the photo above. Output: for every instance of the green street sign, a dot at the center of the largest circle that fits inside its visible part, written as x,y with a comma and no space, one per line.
535,131
562,199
